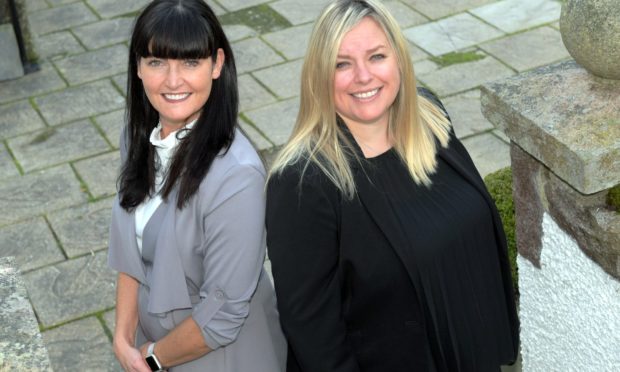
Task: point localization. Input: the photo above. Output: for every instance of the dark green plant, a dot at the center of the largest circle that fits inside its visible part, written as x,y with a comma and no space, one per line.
453,58
499,185
613,198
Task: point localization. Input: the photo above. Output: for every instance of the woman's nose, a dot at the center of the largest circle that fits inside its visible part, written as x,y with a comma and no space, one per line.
362,74
174,77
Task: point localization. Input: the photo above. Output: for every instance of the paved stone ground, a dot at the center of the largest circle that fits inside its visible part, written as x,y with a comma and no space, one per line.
59,127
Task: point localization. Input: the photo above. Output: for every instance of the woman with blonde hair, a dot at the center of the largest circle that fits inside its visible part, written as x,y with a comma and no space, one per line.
387,252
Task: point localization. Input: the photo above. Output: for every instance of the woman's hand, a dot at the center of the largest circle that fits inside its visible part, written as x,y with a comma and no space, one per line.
130,358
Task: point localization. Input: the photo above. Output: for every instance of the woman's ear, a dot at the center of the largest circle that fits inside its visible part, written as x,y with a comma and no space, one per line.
219,63
138,69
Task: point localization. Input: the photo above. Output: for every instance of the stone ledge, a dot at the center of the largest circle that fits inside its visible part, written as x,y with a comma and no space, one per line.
566,118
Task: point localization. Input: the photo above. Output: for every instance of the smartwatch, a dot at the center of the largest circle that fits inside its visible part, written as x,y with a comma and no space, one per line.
152,360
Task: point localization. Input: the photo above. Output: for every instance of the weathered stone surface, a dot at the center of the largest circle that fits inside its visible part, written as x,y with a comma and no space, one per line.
238,32
529,49
93,65
112,123
488,152
22,347
106,32
10,63
80,346
440,8
31,243
298,12
405,16
257,139
84,228
34,5
33,84
284,80
100,173
514,15
464,110
253,54
71,289
416,53
232,5
18,118
80,102
109,317
36,193
114,8
276,121
60,18
251,94
576,134
590,32
425,66
451,34
57,44
57,145
217,9
7,166
292,42
465,76
121,82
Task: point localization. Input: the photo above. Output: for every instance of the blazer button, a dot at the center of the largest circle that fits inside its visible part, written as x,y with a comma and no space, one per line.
219,295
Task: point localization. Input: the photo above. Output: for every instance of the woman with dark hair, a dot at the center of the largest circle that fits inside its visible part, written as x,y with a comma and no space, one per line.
187,232
387,251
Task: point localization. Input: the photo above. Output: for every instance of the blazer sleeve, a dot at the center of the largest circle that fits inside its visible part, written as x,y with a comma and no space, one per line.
233,253
302,239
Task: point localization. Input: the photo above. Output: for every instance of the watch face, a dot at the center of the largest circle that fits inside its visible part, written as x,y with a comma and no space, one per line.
150,360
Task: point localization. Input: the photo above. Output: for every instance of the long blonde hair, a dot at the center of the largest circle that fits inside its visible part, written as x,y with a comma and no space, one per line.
317,139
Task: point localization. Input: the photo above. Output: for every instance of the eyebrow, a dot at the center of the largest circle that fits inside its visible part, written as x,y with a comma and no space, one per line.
369,51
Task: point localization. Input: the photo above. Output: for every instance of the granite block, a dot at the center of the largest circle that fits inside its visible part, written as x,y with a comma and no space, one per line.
81,346
109,318
488,152
435,9
232,5
464,110
257,139
34,5
425,66
10,63
514,15
60,18
84,228
71,289
106,32
451,34
238,32
251,94
21,348
529,49
416,53
112,123
253,54
7,165
18,118
43,81
405,16
284,80
291,42
57,145
32,244
114,8
100,173
465,76
298,12
38,193
93,65
57,44
277,131
120,81
80,102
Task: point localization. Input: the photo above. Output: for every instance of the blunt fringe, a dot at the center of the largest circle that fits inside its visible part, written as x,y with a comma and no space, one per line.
415,123
176,29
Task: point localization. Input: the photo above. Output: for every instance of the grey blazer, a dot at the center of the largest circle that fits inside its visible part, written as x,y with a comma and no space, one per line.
206,261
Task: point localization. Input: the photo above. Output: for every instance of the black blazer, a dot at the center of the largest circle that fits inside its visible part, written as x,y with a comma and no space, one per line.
338,308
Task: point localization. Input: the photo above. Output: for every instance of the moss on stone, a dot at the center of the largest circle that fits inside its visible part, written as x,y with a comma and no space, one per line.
613,198
499,185
261,18
453,58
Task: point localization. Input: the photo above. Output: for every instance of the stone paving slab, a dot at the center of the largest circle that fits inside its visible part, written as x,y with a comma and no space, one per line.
80,346
404,15
251,94
530,49
451,34
70,289
18,118
416,53
31,243
80,102
84,228
57,145
233,5
57,44
114,8
436,9
238,32
514,15
121,82
291,42
465,76
298,12
43,81
257,139
425,66
100,173
94,65
60,18
109,318
38,193
488,152
217,9
10,63
106,32
276,121
253,54
34,5
464,110
7,166
284,80
112,123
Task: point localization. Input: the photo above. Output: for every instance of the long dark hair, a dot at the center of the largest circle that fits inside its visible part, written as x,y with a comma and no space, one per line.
177,29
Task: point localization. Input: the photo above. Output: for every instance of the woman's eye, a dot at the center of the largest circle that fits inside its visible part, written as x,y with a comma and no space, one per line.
377,57
340,65
192,62
154,62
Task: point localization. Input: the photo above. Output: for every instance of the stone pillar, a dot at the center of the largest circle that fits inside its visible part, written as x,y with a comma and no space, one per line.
564,127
